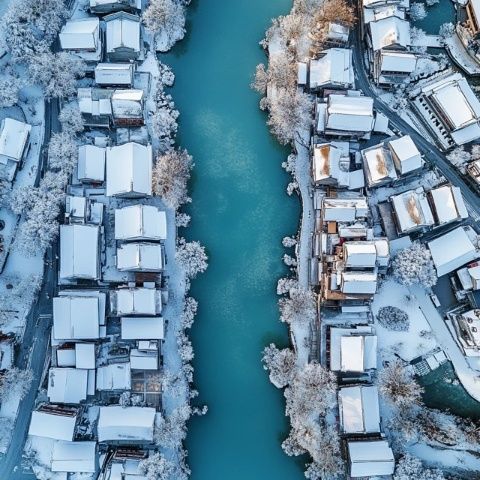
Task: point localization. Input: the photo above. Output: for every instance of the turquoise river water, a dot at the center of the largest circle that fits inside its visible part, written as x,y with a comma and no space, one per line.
241,212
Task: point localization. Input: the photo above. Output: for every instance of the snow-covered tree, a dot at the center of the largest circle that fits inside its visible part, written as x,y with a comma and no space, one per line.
299,307
182,219
280,365
164,120
184,347
15,383
431,2
62,152
447,29
393,318
57,73
191,257
418,39
9,88
284,285
166,77
171,431
170,176
189,312
71,119
414,265
459,157
6,427
289,242
417,11
409,467
157,467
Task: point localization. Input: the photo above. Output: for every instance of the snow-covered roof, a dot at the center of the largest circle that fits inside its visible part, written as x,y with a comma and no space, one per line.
141,256
378,165
359,409
328,162
405,154
54,426
140,222
66,357
118,423
13,139
344,209
67,385
82,34
91,163
127,103
74,457
135,301
143,360
79,251
338,32
122,31
114,74
359,254
404,62
115,376
349,113
452,250
85,355
412,210
129,170
390,31
475,6
75,318
333,68
101,296
94,101
353,349
370,458
143,328
448,203
361,283
135,3
382,246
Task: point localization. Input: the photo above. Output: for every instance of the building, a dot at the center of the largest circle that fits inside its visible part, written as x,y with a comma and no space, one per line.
74,457
473,170
110,6
359,410
114,377
467,330
360,255
128,425
140,257
448,204
143,328
77,355
140,222
54,422
82,38
114,74
378,165
346,210
449,109
122,37
95,106
337,34
129,170
79,252
353,283
470,276
67,385
144,358
332,69
447,259
127,107
135,301
370,458
405,155
14,146
91,164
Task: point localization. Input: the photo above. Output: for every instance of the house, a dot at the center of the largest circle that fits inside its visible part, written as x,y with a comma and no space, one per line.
143,328
358,283
140,257
467,330
449,109
54,422
79,252
108,6
332,69
473,170
122,37
378,165
85,356
67,385
144,359
359,410
448,204
74,457
95,106
344,209
359,254
382,246
127,425
370,458
114,74
405,155
445,258
115,376
412,211
127,107
470,277
135,301
140,222
337,34
82,38
129,170
349,115
352,350
14,145
91,164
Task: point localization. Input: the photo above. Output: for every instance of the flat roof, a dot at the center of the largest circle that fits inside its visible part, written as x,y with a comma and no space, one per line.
143,328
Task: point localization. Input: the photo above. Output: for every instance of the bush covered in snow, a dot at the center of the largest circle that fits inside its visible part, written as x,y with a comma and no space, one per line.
171,430
417,11
409,467
191,257
289,242
157,467
280,365
393,318
298,307
414,265
71,119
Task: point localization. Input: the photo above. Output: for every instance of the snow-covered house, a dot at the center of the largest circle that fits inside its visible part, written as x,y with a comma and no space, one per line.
79,252
14,145
140,222
344,209
412,211
449,109
114,377
91,164
349,115
337,34
82,38
74,457
129,170
110,6
127,107
470,277
95,106
140,257
144,359
142,328
332,69
359,410
128,425
447,204
405,155
54,422
370,458
77,355
135,301
447,259
67,385
467,329
362,283
378,165
114,74
122,37
359,255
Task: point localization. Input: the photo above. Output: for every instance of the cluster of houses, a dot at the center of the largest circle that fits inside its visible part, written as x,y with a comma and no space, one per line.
103,385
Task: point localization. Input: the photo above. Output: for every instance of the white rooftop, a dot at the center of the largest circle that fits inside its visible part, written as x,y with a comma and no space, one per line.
359,283
114,74
135,301
378,165
122,31
405,154
49,425
412,210
359,409
82,34
141,256
13,139
333,68
344,209
91,163
140,222
353,349
143,360
449,204
74,457
360,254
390,31
75,318
404,62
67,385
85,355
370,458
143,328
115,376
349,113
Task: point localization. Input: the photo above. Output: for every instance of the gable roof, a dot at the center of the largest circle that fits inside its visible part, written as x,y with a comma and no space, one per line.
50,425
13,139
140,222
75,318
91,163
143,328
141,256
67,385
118,423
122,31
74,457
81,34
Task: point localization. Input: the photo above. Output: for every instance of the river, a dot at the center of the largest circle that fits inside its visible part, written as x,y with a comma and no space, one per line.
240,212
